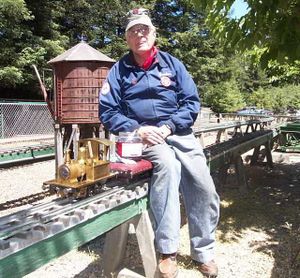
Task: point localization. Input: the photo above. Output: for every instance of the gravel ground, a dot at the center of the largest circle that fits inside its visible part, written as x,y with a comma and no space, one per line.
258,234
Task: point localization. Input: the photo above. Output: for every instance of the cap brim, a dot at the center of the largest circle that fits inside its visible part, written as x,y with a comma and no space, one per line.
142,20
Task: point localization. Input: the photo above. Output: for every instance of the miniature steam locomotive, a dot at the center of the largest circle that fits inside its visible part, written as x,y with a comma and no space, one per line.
85,175
91,167
82,154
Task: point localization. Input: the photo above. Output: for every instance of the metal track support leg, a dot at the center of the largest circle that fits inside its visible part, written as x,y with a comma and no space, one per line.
241,174
223,174
255,156
116,241
114,249
59,155
145,238
269,154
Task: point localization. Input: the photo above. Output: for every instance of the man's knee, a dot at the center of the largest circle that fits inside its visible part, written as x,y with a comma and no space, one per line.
163,159
167,165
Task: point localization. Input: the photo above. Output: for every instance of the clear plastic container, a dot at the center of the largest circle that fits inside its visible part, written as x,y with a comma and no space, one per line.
129,145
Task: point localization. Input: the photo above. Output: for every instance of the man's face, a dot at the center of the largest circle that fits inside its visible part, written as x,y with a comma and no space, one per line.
140,38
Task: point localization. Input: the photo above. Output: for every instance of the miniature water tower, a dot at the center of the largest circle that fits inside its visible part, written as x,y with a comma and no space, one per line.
78,76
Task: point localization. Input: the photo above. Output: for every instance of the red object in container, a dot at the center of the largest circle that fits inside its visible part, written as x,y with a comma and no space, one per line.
129,145
129,150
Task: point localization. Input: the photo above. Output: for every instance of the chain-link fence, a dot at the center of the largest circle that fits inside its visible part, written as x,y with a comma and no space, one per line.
25,119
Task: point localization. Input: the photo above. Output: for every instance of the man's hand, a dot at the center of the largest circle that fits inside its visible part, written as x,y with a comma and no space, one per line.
165,130
151,135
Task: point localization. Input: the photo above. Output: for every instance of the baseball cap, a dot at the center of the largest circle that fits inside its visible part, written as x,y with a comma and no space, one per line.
138,16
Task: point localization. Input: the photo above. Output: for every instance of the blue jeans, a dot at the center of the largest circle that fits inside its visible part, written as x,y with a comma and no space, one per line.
180,164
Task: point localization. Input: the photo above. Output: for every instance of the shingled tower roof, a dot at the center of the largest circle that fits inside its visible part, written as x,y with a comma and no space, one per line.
81,52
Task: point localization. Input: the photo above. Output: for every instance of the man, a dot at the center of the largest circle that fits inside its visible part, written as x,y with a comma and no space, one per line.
150,92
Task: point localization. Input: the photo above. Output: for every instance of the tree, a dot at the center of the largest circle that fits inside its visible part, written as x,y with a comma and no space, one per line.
100,23
28,36
262,99
278,99
283,74
12,13
183,33
224,97
272,25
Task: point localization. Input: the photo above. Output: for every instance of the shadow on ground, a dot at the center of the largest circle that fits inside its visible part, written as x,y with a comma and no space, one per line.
94,269
272,205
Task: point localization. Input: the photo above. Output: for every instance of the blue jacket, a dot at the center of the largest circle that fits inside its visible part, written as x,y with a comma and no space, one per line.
164,94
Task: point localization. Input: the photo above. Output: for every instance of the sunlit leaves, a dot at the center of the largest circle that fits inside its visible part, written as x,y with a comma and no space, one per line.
278,99
10,77
273,24
224,97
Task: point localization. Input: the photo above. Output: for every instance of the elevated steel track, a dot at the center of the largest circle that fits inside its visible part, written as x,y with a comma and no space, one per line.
33,237
14,155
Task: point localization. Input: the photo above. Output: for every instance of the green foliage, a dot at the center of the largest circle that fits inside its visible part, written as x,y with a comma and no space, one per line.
27,29
53,47
10,77
262,99
281,74
224,97
101,23
248,75
271,24
278,99
276,74
12,13
183,33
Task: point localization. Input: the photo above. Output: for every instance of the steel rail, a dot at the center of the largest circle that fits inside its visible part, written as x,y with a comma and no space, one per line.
26,200
45,213
13,155
231,124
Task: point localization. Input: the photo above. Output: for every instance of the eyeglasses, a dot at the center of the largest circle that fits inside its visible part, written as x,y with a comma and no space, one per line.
143,29
139,11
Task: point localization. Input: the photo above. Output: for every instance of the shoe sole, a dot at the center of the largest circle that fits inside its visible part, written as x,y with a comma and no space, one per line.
175,275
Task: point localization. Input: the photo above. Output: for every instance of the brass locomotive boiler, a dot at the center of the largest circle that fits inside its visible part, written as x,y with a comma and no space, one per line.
90,167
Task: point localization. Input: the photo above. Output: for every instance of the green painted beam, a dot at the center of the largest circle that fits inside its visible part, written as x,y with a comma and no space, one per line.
290,127
292,149
34,256
17,102
290,137
29,154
